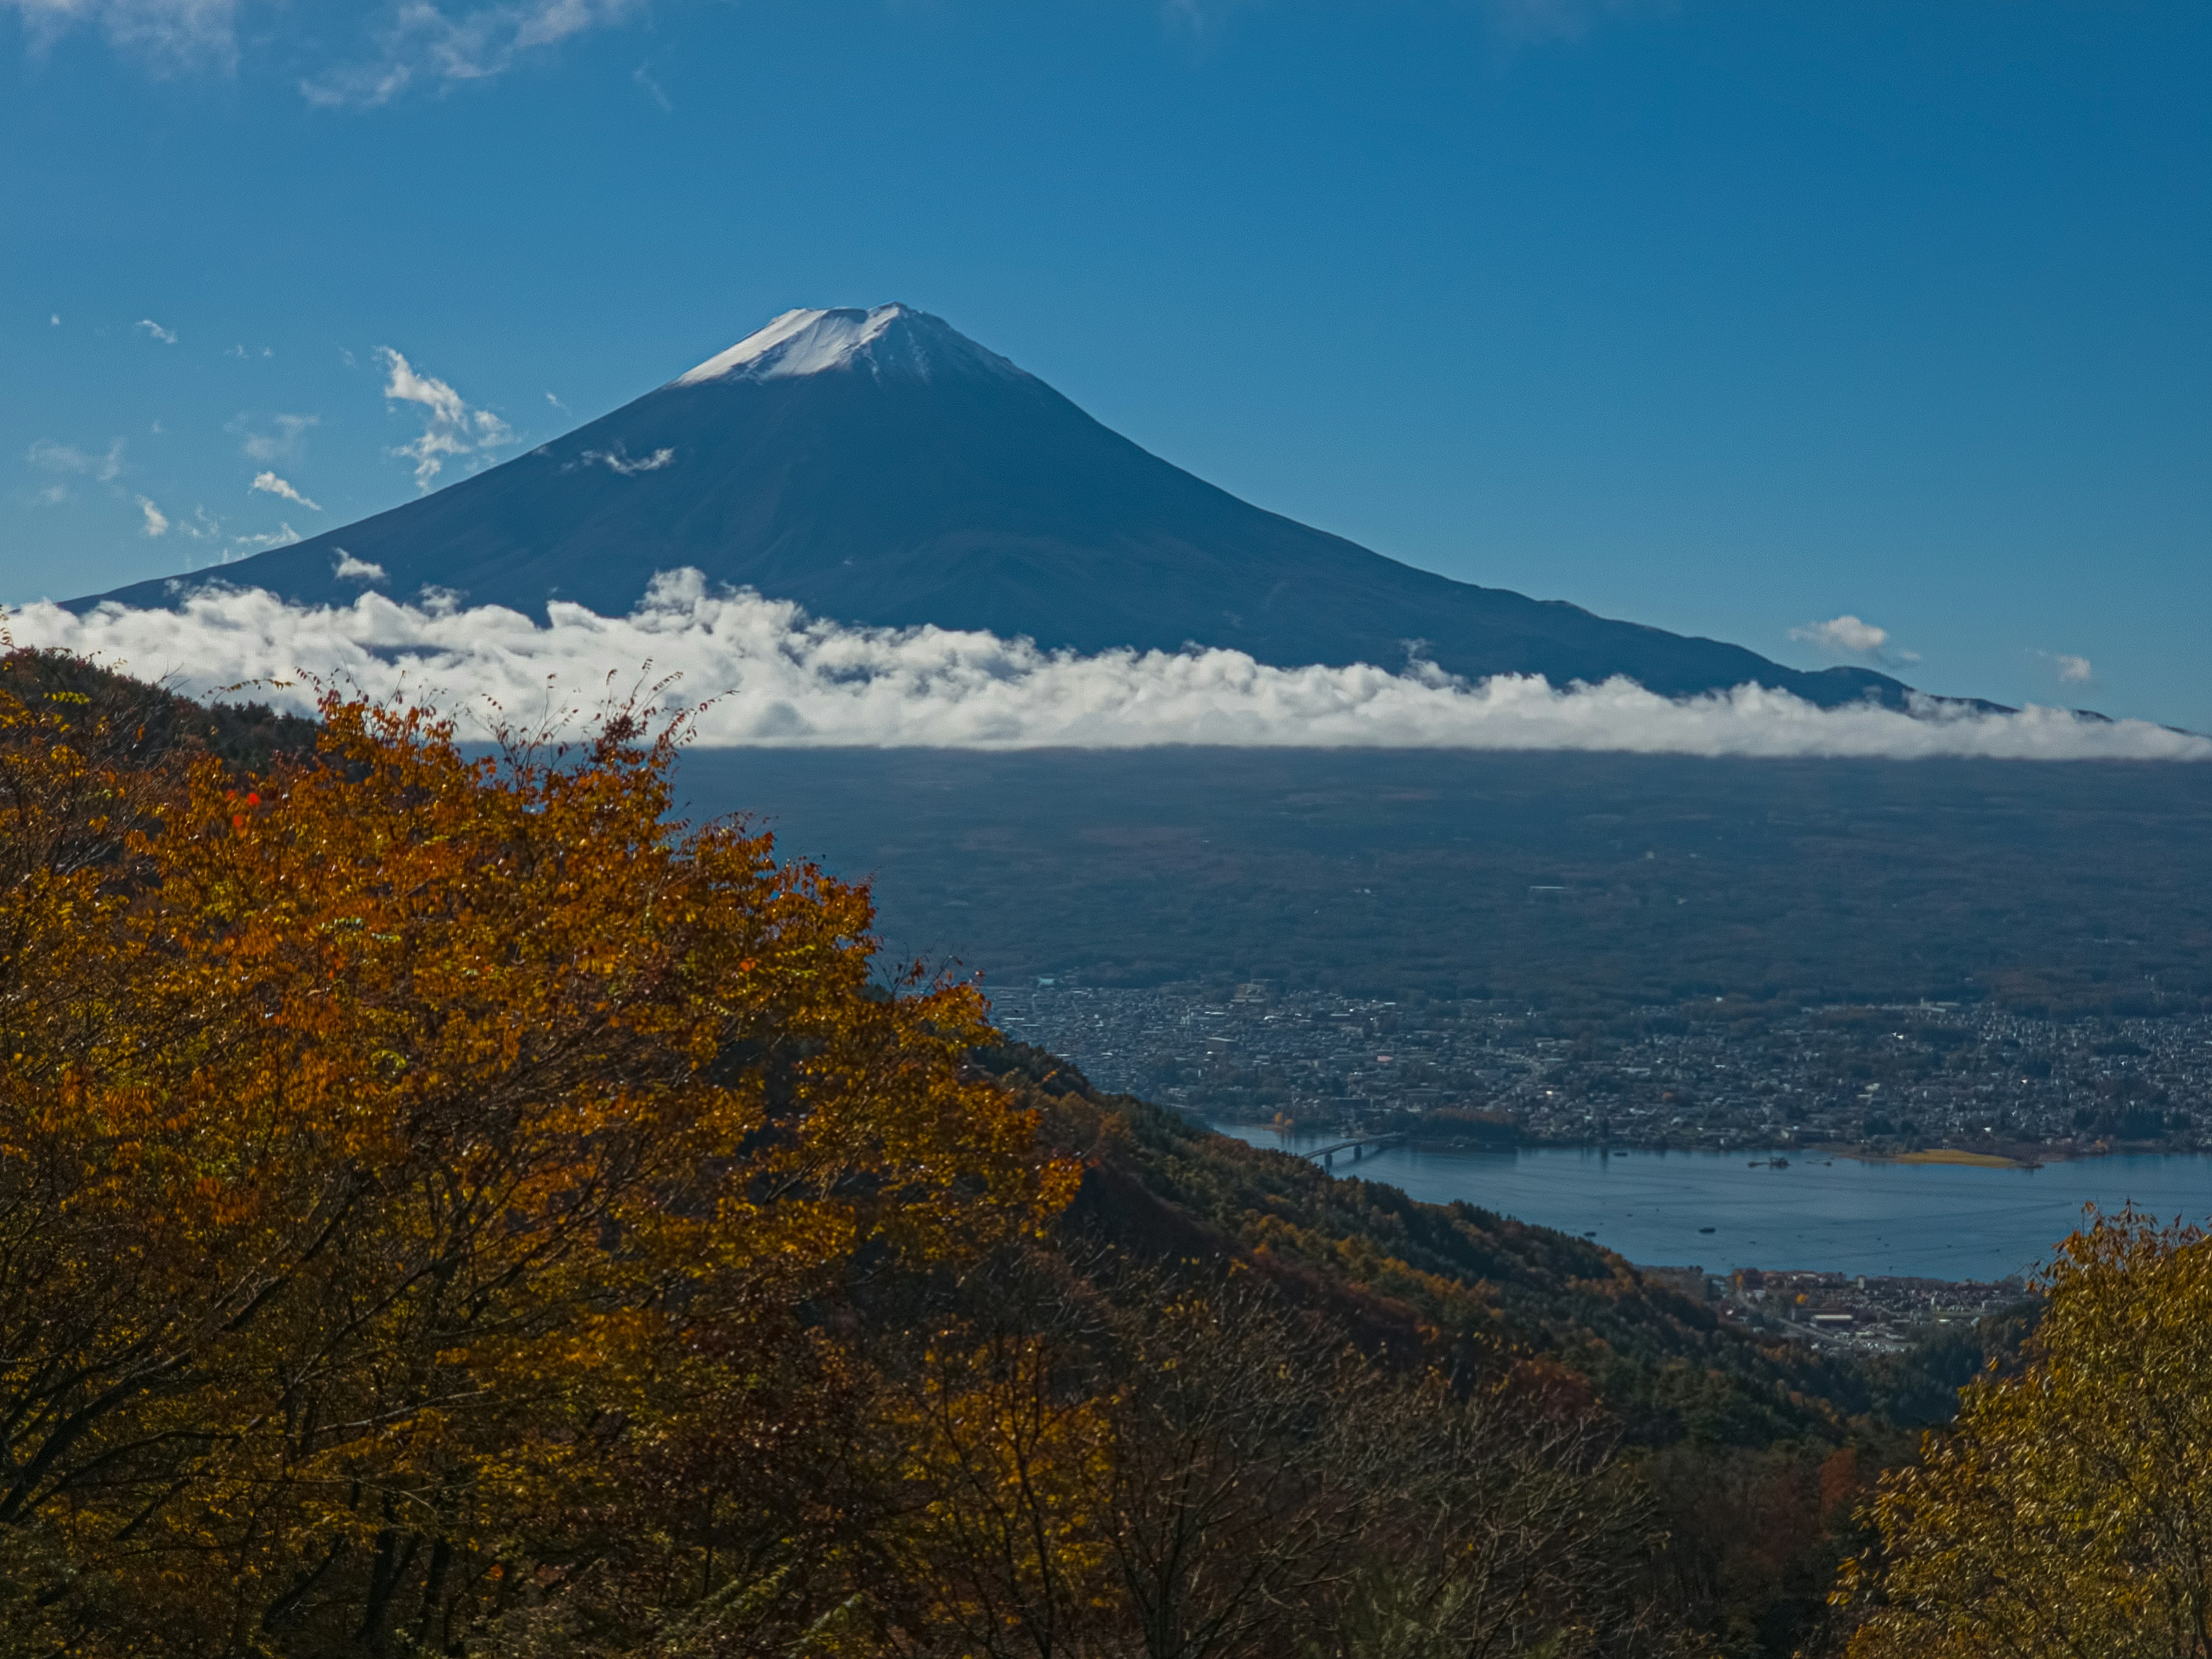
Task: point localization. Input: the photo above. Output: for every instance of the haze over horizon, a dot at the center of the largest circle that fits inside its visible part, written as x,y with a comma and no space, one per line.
1858,338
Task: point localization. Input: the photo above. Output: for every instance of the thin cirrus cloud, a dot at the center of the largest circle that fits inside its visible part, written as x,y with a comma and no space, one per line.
451,427
270,485
156,521
49,457
761,672
166,336
424,46
417,45
61,462
411,45
283,536
284,438
170,37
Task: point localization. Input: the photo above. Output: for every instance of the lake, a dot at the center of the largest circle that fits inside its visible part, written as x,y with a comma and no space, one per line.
1927,1220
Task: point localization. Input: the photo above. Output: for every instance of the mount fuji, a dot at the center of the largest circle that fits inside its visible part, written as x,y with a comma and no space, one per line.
879,467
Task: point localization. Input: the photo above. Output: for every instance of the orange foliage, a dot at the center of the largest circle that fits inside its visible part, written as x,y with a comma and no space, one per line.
404,1155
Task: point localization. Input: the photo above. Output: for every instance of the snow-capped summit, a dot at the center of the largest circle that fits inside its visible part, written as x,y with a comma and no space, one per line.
887,340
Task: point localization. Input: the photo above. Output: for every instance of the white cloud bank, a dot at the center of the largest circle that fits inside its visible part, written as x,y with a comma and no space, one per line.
761,672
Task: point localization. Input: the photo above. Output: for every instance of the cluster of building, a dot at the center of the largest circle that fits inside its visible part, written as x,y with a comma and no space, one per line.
1870,1315
1904,1077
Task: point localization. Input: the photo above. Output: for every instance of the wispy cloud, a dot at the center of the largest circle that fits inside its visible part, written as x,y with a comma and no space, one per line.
427,45
761,672
643,77
557,404
348,568
2070,669
270,485
287,441
49,457
1847,637
619,460
166,336
451,427
169,36
157,522
241,546
417,44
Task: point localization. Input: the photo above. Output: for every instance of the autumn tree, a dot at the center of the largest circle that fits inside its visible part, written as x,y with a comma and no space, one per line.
2068,1510
1178,1463
425,1183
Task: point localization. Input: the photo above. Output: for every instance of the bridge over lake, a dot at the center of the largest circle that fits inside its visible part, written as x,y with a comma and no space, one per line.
1358,1146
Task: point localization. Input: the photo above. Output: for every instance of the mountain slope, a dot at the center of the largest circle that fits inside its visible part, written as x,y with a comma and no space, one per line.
879,467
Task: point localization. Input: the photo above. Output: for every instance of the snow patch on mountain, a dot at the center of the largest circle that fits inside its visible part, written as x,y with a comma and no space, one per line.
892,340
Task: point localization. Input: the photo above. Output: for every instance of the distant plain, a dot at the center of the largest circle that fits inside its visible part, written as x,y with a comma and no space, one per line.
1575,881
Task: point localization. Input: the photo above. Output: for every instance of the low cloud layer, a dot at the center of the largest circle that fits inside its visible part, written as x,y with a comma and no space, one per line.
761,672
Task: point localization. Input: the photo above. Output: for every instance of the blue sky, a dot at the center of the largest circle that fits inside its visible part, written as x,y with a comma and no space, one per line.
1731,317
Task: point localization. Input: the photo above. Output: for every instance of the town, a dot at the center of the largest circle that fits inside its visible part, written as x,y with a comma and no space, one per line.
1902,1079
1855,1312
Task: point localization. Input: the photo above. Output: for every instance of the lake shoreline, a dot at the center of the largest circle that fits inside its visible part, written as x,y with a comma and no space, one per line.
1939,1219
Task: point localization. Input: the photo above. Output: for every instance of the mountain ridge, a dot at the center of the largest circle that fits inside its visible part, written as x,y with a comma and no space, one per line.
880,468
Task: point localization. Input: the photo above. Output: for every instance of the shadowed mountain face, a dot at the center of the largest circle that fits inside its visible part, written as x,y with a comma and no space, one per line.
879,467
